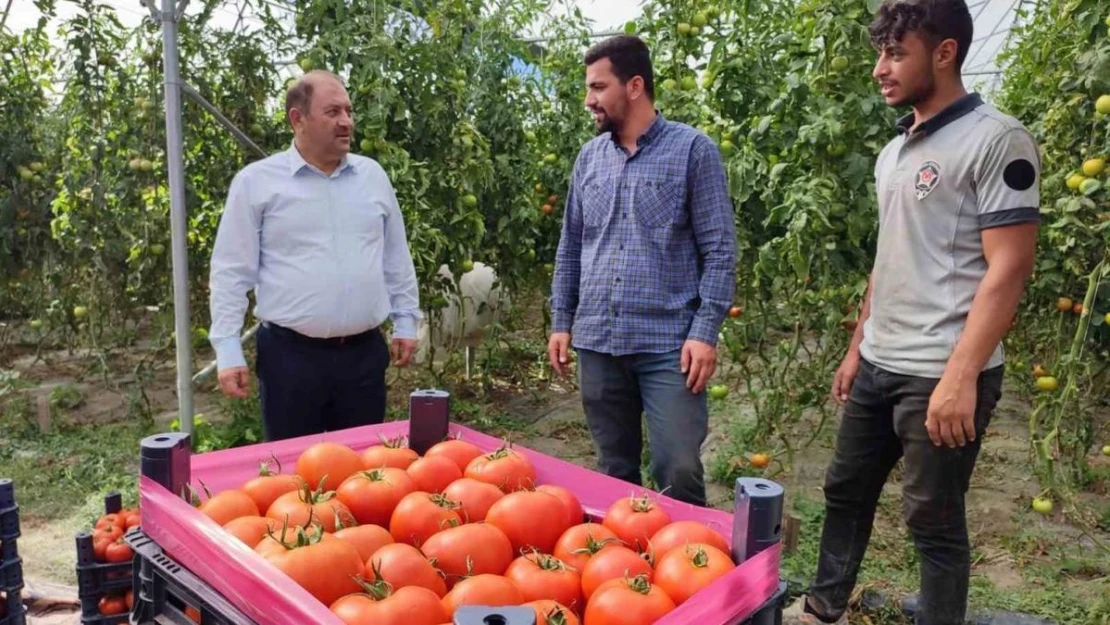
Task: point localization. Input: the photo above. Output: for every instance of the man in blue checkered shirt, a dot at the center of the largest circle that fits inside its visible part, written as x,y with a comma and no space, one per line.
644,275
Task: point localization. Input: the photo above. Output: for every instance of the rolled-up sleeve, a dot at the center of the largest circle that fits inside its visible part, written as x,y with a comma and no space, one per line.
714,225
233,271
568,258
400,273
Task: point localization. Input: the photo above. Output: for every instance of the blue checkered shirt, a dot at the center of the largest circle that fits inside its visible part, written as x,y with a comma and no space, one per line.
648,249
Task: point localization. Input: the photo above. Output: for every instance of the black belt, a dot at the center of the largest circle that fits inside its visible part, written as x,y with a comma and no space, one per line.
336,341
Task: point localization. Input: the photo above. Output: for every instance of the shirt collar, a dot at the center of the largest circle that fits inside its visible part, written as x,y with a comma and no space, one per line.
649,135
297,162
949,114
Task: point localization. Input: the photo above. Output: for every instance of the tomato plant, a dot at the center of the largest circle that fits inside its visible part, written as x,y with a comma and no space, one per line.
1062,322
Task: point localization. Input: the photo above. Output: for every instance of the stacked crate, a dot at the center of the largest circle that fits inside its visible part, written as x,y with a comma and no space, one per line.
11,565
103,587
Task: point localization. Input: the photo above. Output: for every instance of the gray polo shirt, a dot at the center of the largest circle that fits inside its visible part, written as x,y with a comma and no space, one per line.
967,169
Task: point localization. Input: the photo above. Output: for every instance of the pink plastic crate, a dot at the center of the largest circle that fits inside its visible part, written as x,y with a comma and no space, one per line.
270,598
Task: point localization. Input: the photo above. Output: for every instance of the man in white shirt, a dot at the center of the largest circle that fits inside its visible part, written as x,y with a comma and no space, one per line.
317,233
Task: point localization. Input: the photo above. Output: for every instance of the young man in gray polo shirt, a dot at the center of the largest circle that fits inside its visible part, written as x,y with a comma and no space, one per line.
958,195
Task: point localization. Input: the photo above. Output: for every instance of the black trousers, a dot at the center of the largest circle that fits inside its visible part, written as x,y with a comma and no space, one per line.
308,386
883,421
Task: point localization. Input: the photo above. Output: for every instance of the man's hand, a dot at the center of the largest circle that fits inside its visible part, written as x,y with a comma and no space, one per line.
845,375
401,351
699,361
235,381
558,351
951,416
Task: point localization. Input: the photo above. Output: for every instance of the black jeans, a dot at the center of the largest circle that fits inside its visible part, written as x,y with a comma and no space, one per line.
308,386
618,391
884,420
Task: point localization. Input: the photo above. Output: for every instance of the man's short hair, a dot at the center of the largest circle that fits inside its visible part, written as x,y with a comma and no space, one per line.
629,56
933,20
299,96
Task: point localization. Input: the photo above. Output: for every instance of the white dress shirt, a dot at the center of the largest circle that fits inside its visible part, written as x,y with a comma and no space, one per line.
325,255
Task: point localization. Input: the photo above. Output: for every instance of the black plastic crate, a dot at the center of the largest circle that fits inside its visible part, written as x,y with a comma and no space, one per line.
11,574
164,590
97,579
11,606
9,521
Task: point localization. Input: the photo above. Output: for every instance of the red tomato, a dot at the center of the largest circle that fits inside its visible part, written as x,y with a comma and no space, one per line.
491,590
403,565
550,612
391,453
118,551
303,508
112,604
368,539
130,518
110,520
229,505
627,601
473,496
506,469
681,533
372,495
579,543
433,475
325,465
408,605
265,489
250,530
470,549
419,515
635,520
531,519
686,570
460,452
575,513
540,576
320,563
612,563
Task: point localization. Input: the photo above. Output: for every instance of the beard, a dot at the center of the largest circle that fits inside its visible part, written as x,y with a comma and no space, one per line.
607,124
921,92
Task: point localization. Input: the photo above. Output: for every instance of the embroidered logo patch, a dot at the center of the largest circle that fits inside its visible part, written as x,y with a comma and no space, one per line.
927,178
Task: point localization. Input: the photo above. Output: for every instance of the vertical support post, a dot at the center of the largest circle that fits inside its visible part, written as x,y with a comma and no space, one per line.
178,221
164,458
757,525
429,415
757,517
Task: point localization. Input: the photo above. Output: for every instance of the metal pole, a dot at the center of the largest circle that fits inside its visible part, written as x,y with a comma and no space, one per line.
178,221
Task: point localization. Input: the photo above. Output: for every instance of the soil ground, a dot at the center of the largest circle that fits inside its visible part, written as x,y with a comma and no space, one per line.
1022,561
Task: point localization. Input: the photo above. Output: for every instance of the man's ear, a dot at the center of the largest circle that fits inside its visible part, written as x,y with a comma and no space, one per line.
295,117
635,87
945,54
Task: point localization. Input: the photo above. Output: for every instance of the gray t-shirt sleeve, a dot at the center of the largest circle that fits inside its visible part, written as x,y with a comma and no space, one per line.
1008,181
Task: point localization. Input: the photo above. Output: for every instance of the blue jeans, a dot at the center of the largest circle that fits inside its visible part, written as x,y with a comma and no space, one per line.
617,391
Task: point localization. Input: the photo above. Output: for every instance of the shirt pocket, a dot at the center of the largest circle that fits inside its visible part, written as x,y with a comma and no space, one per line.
366,220
597,201
658,202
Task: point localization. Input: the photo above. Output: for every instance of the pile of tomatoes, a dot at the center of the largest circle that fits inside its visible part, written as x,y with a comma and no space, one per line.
107,535
110,548
386,536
